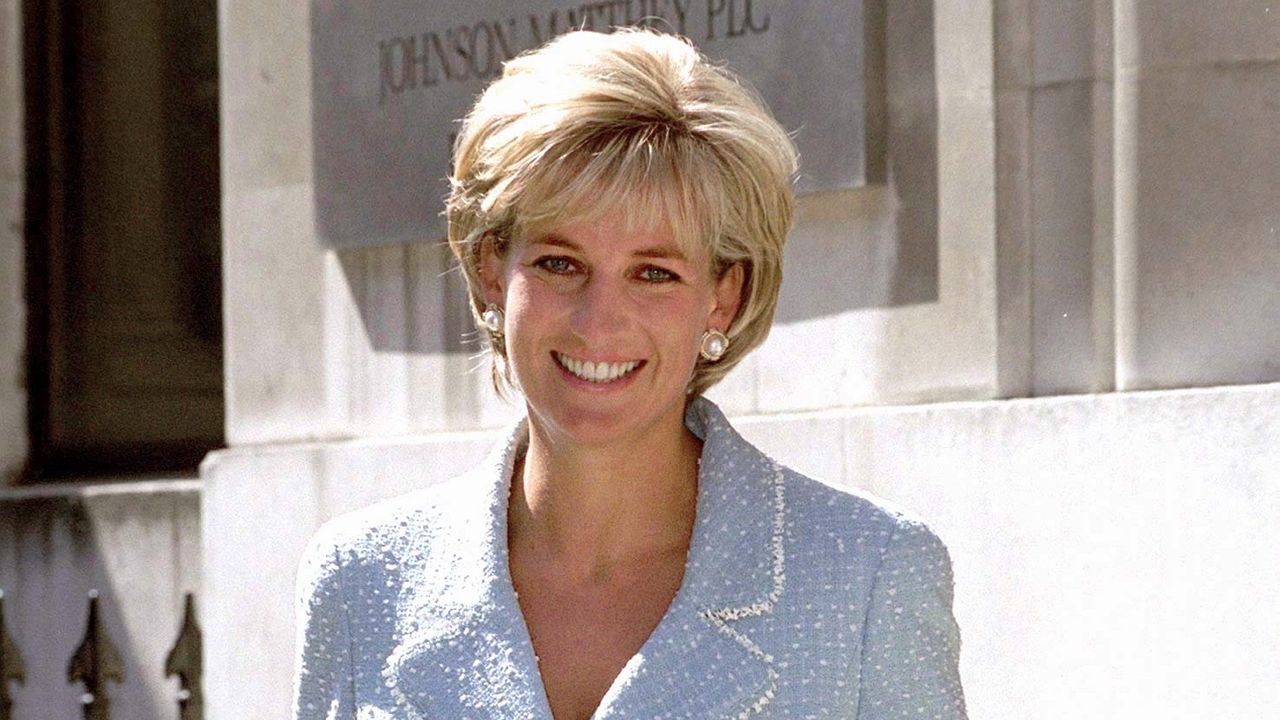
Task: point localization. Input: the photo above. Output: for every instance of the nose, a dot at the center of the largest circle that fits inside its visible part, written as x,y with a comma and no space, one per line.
601,311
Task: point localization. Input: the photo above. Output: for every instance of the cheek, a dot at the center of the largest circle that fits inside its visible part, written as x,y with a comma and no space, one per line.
679,325
531,309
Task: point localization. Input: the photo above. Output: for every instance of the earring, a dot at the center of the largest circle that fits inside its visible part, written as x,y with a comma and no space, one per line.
492,319
714,345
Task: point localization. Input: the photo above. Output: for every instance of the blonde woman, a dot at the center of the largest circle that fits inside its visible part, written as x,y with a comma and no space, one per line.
619,209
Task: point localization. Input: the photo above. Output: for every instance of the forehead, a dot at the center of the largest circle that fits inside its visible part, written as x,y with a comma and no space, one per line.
655,204
610,231
629,228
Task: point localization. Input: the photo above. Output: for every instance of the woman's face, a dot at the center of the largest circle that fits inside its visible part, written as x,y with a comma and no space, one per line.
603,325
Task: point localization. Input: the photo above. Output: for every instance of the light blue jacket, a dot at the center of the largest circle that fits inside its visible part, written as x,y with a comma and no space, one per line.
798,601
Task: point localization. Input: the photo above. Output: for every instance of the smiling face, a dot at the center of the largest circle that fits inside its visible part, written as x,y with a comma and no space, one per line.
603,325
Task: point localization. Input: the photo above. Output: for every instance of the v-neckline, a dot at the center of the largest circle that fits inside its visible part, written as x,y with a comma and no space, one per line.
511,597
467,649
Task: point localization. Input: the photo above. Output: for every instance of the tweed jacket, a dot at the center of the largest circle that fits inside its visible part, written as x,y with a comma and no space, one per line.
798,601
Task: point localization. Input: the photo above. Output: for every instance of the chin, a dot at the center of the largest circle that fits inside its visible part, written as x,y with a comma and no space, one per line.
589,423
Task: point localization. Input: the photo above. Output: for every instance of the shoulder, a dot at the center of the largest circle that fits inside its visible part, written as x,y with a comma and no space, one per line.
820,519
822,504
888,554
391,525
818,510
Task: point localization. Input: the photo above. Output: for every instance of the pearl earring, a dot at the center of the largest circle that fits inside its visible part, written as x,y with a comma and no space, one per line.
492,319
714,345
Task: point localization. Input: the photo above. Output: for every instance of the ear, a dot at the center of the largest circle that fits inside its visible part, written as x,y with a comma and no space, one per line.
728,298
492,269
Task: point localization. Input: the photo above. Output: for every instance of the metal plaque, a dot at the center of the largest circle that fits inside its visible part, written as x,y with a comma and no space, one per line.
392,78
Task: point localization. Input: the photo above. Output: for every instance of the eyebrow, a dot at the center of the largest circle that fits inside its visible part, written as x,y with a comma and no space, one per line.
659,252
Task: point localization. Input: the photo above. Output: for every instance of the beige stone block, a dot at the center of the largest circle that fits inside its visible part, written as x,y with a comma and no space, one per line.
1104,39
275,317
1012,43
813,444
1062,35
849,251
1014,222
1122,540
404,347
944,349
1062,240
823,355
964,39
11,140
1194,32
355,343
265,100
1198,220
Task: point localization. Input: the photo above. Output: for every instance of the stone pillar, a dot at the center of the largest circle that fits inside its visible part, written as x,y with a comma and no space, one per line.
1053,196
1197,211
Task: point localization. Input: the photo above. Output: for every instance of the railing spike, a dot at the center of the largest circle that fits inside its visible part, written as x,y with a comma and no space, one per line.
186,661
94,663
10,665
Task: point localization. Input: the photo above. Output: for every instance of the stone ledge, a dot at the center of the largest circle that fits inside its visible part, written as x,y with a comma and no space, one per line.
97,488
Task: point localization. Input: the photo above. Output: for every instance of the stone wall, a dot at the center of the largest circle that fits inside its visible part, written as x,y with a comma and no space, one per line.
1114,554
13,333
894,294
1197,217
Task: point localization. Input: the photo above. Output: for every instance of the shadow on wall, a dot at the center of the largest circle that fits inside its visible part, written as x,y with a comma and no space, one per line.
411,298
872,247
877,246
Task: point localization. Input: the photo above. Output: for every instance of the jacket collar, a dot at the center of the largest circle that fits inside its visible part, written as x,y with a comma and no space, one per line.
470,654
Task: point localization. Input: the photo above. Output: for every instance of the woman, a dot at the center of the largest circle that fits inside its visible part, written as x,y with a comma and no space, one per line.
619,208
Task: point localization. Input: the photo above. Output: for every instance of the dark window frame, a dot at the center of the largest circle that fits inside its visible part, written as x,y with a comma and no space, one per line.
50,126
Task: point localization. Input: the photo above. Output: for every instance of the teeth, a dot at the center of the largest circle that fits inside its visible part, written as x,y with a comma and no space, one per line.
600,372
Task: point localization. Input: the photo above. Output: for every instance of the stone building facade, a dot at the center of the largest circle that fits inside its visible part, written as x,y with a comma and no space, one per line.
1053,330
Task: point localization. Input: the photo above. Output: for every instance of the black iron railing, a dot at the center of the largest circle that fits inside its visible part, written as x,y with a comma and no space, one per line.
95,664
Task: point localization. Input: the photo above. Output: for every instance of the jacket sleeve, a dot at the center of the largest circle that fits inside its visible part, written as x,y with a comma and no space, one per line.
324,687
911,644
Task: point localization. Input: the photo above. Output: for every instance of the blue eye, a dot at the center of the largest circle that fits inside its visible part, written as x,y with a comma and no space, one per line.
658,275
556,264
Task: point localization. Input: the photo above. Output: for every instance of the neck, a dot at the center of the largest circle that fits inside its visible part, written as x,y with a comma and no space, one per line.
589,510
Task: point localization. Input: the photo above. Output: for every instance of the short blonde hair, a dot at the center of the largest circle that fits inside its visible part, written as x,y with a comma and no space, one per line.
636,115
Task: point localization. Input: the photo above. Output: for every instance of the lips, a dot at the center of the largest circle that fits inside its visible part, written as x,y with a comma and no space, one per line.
596,372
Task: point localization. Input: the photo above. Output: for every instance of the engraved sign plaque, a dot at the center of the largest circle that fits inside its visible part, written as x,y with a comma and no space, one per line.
392,78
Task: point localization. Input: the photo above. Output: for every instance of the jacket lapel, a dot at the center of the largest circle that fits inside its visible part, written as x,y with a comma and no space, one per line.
470,655
700,662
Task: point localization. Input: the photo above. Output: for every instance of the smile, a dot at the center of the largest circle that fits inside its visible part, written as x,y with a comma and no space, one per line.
597,372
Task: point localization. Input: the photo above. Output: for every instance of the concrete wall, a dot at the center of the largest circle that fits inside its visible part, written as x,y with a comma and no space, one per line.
137,544
1054,191
13,397
1197,211
1081,233
1137,215
898,302
1114,554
